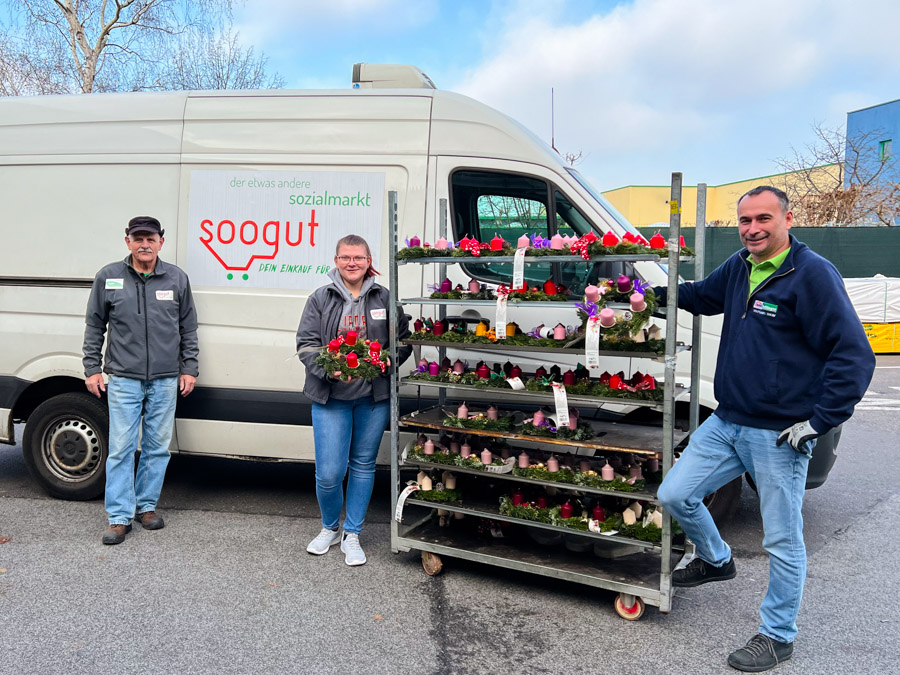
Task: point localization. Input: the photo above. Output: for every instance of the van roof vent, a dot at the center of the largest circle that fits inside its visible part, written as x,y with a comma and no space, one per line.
389,76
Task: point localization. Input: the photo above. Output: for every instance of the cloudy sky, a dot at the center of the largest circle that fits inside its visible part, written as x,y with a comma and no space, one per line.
717,89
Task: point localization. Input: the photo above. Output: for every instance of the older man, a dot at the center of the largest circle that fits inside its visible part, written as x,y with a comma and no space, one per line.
793,362
151,354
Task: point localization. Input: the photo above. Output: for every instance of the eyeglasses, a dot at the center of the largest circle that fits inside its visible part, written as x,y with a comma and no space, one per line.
359,259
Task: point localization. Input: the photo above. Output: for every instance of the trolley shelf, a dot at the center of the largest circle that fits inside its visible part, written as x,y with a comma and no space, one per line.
531,259
639,571
574,351
680,392
646,495
638,440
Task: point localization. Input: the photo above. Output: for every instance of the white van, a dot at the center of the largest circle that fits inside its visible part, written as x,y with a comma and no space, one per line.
253,189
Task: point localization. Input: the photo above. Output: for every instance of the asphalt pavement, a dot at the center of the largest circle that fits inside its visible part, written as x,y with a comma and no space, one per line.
227,586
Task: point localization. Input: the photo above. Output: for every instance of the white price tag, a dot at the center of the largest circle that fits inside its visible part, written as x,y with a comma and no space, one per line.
398,514
518,269
592,343
562,404
500,323
516,383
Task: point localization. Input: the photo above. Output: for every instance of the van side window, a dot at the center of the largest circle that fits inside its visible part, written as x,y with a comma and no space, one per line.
485,204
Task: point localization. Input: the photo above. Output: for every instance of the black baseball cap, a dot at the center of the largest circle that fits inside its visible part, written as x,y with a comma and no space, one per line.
144,224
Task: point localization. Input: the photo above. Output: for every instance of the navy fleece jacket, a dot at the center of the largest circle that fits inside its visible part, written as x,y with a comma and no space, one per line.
794,350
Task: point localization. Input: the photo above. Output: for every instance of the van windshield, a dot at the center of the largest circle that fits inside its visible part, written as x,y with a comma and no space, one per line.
609,208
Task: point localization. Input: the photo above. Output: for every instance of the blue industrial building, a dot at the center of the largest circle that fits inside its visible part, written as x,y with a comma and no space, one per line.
879,128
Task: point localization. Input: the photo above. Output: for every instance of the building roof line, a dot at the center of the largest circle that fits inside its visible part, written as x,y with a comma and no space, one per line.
734,182
877,105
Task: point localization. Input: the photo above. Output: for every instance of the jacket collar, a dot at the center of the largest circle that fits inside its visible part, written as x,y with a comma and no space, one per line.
159,270
797,247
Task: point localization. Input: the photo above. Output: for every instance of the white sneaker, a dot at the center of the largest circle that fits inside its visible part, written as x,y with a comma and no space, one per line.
324,541
353,553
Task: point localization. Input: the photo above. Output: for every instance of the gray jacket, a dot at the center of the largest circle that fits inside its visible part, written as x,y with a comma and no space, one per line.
319,325
152,323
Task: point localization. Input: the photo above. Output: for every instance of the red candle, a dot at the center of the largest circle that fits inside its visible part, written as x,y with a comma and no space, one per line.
352,360
334,346
609,239
542,502
374,349
565,511
657,241
568,377
515,371
438,328
497,243
598,513
418,325
540,372
351,337
517,498
615,382
681,241
483,372
550,287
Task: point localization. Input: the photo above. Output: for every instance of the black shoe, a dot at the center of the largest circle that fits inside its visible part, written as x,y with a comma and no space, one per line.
699,572
761,653
115,534
150,520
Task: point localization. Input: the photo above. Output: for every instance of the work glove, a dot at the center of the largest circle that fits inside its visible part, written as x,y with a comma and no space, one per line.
797,435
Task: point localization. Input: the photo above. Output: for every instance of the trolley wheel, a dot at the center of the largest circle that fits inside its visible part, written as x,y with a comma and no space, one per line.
629,607
431,563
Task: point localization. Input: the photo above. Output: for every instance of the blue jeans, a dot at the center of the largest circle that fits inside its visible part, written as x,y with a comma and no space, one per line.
347,434
129,401
719,452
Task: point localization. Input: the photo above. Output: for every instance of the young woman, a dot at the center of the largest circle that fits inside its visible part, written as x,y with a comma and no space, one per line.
349,418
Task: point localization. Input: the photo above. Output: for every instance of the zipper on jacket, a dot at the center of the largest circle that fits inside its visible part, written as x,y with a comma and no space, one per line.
137,295
764,282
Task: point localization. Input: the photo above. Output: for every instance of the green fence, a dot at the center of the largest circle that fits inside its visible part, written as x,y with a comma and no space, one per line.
855,251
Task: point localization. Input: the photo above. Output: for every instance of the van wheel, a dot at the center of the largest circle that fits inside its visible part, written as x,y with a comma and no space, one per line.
724,502
65,446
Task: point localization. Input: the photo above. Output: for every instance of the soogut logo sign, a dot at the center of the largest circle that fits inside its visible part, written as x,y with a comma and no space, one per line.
277,229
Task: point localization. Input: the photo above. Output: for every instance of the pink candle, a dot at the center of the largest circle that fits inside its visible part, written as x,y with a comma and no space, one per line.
539,417
463,412
492,413
441,244
429,447
653,465
523,241
523,460
474,286
486,456
638,303
607,317
584,465
607,472
553,464
592,293
556,242
559,332
459,367
454,448
635,471
623,284
465,450
434,368
573,419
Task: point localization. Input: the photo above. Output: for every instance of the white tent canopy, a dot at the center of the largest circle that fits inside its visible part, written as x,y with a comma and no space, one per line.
876,299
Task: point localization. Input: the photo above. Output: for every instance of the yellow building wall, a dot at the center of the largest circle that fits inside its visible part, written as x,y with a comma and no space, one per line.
647,205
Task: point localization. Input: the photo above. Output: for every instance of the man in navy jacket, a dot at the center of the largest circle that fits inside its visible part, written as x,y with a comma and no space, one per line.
793,362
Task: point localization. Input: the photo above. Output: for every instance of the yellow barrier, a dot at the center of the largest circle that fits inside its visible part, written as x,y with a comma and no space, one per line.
884,337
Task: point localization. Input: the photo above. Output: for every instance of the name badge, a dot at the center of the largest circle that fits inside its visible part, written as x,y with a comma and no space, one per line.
378,314
115,283
165,295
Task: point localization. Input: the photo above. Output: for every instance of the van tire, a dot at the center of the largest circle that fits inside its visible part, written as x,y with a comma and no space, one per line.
723,503
65,446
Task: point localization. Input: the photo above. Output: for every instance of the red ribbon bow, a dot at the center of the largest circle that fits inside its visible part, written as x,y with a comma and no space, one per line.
472,246
581,246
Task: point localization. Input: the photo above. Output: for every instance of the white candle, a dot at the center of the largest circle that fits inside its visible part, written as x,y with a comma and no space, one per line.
449,481
426,483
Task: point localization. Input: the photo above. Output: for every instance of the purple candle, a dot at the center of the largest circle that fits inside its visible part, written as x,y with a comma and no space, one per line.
592,293
446,286
653,465
415,241
434,368
635,471
623,284
523,460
